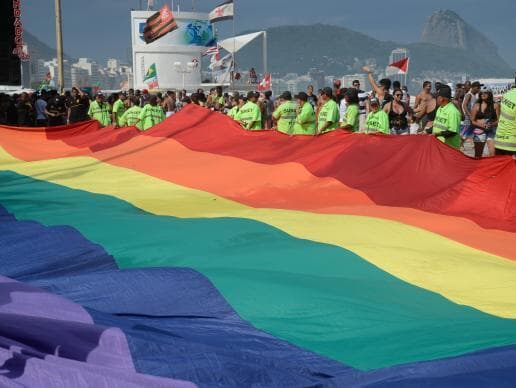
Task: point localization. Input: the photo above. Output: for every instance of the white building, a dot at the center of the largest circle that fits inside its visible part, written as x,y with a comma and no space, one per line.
176,57
80,76
92,68
67,72
113,65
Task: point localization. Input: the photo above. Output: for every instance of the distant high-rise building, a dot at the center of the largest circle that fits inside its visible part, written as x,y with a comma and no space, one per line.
80,76
92,68
113,64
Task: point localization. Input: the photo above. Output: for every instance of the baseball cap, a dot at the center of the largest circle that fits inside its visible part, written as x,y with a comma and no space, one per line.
286,95
374,101
252,94
301,96
445,91
477,84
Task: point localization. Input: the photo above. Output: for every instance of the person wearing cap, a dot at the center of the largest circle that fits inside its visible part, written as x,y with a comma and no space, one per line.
305,123
377,120
250,115
131,116
447,119
99,110
505,138
78,106
351,120
151,114
55,109
285,114
118,110
328,119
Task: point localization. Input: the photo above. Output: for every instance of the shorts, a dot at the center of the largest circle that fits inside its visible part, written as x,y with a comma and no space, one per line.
400,131
466,131
491,134
499,151
484,136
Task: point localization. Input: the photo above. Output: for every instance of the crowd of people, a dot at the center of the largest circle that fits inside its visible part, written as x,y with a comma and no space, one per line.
469,113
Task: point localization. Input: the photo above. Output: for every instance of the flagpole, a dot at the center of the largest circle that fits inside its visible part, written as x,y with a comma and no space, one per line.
59,41
234,49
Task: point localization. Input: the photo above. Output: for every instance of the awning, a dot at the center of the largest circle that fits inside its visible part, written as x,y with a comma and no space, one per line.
238,42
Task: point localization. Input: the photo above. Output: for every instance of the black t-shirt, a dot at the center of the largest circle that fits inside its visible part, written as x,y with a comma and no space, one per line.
57,106
25,113
79,109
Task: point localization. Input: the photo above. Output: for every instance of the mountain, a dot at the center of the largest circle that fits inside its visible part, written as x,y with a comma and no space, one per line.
447,29
39,49
337,50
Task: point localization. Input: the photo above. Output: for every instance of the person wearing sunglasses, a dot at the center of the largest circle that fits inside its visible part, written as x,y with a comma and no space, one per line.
398,112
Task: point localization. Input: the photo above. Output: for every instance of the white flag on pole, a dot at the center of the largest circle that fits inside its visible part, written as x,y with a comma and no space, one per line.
223,11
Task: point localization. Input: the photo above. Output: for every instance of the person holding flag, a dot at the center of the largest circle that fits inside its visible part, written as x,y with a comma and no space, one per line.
131,116
377,120
285,114
99,110
305,120
328,118
250,115
505,138
151,114
447,119
118,110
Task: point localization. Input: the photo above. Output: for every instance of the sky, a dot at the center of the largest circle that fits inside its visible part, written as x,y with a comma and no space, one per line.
100,29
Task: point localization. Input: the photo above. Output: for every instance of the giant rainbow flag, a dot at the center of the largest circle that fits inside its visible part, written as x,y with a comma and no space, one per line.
197,253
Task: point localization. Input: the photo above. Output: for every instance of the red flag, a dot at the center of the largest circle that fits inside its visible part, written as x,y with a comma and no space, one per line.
399,67
266,83
159,24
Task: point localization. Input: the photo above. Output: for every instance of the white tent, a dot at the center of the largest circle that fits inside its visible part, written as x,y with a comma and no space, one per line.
238,42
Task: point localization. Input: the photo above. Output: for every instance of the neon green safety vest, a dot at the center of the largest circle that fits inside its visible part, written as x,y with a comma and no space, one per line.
505,138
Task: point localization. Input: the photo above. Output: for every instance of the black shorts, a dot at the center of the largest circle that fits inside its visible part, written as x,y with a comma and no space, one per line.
505,152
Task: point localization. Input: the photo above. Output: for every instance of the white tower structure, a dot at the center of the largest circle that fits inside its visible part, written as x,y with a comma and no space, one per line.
182,46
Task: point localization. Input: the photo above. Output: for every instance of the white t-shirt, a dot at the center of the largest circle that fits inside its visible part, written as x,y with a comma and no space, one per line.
342,109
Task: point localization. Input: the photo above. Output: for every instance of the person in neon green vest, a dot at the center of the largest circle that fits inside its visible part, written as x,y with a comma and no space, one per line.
250,115
328,118
151,114
131,116
351,120
285,114
118,110
377,120
447,119
233,112
305,120
505,138
99,110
